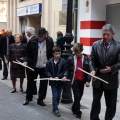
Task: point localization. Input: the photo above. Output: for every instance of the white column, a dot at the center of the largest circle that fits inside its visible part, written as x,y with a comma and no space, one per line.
14,16
8,13
91,18
11,14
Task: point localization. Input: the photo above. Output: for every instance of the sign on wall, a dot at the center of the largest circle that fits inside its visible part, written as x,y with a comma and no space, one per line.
3,12
21,11
30,10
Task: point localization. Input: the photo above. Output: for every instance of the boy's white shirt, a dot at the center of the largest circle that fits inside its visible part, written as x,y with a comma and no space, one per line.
55,61
75,62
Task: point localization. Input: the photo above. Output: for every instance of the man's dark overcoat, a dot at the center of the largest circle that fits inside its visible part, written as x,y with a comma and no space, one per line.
98,62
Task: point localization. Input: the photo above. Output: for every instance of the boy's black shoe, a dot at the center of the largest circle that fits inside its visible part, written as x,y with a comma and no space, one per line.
78,114
4,78
41,103
26,102
57,113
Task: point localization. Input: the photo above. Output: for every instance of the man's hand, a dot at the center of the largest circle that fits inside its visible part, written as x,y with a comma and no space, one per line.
106,70
92,73
21,58
6,61
25,63
87,84
64,79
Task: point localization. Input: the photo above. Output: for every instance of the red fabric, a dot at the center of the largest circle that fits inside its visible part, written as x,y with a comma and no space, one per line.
106,46
78,73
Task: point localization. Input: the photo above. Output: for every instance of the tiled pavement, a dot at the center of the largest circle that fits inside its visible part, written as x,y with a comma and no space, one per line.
66,113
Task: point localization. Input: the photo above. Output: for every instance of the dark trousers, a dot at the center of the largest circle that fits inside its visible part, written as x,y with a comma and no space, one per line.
0,64
110,100
56,92
31,84
78,88
43,83
5,69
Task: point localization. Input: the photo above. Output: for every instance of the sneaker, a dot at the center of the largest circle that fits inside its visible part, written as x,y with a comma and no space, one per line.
57,113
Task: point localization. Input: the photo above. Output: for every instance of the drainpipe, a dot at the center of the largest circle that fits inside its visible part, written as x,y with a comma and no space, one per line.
75,19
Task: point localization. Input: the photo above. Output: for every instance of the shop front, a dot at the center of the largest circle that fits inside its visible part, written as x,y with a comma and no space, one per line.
29,16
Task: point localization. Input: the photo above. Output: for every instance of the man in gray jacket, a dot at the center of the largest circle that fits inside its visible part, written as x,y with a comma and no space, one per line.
105,63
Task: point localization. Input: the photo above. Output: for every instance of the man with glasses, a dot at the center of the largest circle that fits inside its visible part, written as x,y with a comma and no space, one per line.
105,63
39,51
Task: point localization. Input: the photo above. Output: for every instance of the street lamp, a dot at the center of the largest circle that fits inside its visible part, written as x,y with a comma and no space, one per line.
66,94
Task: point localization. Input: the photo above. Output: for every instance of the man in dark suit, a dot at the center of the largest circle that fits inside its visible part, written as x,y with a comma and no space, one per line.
39,51
4,50
0,53
105,63
31,36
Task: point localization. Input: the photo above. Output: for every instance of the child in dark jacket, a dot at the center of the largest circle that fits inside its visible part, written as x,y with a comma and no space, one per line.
55,68
78,78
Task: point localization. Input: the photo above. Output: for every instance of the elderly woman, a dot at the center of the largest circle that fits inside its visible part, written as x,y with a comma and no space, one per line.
16,52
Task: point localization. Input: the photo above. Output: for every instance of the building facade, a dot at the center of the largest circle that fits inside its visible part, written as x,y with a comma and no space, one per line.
92,15
36,13
3,14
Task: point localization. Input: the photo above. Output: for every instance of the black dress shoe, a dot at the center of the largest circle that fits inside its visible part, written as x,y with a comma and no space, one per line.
26,102
78,114
4,78
41,103
13,91
21,90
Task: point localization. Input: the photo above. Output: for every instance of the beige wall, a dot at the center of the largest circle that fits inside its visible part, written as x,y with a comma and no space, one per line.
34,21
12,20
3,25
49,16
113,1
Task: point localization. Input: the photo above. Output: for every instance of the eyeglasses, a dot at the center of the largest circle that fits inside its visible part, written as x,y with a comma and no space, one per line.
106,34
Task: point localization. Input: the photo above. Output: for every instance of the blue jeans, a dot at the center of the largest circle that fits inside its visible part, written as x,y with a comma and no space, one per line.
56,92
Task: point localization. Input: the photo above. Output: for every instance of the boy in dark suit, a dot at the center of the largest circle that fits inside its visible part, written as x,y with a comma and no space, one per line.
55,68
